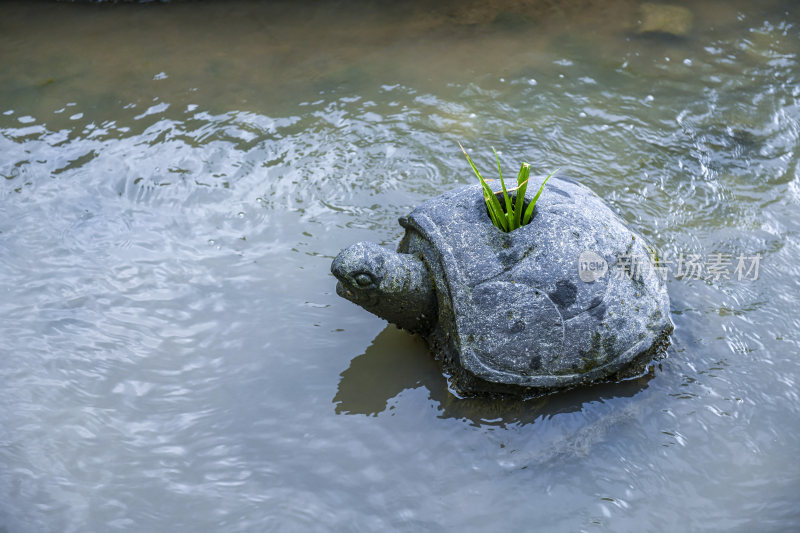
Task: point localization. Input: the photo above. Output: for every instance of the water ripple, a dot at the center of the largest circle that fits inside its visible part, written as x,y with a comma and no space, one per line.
174,355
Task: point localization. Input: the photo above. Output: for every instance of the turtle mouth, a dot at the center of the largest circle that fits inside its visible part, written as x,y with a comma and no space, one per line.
344,292
363,298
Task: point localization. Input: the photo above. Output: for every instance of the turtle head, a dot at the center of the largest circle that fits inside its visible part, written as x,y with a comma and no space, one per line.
362,273
393,286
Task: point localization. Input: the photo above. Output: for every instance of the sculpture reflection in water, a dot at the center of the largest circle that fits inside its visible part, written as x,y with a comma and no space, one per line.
397,361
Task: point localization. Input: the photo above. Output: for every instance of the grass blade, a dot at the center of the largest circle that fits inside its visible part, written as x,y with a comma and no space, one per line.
495,209
529,212
522,185
509,213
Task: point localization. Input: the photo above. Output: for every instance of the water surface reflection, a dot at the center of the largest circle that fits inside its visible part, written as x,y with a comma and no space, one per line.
177,177
397,361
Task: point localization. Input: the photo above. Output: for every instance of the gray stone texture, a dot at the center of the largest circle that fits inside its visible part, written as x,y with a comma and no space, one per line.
508,312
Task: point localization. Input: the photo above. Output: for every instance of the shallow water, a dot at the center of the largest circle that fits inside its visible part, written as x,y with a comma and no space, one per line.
177,178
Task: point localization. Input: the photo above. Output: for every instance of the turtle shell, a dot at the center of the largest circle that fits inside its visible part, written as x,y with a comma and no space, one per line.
514,308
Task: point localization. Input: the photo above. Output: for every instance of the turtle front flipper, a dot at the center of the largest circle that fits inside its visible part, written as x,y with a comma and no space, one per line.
395,286
511,332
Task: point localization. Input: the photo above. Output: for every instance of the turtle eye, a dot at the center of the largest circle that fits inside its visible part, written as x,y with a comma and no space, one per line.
363,280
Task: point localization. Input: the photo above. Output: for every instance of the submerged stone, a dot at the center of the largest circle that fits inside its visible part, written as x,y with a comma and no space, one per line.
516,312
665,19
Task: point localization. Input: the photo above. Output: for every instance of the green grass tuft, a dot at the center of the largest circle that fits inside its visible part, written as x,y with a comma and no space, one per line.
513,217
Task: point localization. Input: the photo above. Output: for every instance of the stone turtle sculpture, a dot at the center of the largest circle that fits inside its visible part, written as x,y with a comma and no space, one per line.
513,312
